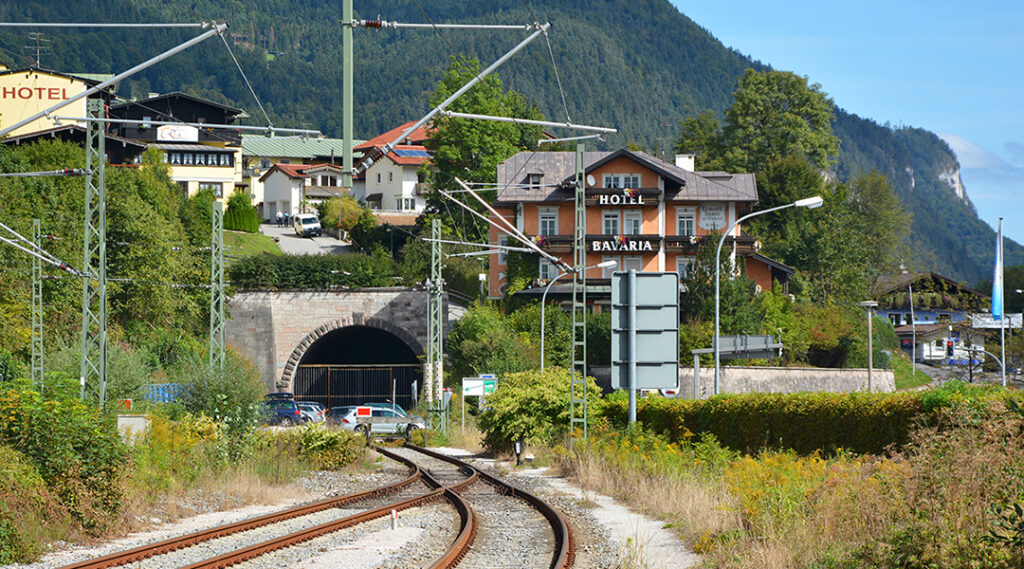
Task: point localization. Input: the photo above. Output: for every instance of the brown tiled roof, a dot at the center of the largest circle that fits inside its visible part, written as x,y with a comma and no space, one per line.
417,138
290,170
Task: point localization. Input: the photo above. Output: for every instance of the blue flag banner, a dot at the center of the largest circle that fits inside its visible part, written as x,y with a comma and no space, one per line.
997,278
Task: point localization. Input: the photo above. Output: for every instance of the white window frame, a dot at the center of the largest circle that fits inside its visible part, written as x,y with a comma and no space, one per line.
637,219
546,270
621,180
686,214
611,216
606,272
502,253
628,260
549,214
684,266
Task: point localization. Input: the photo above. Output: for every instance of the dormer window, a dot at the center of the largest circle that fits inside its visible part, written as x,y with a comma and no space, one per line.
533,181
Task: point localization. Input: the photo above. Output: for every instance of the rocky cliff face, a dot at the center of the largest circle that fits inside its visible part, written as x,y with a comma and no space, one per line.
951,176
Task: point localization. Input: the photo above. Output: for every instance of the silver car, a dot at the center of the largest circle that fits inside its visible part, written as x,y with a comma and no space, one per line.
312,412
345,417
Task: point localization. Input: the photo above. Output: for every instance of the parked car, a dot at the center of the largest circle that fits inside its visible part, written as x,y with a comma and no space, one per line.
312,411
345,417
307,225
283,412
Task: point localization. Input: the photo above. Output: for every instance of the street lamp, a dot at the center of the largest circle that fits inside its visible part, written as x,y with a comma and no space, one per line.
870,305
809,203
543,300
483,278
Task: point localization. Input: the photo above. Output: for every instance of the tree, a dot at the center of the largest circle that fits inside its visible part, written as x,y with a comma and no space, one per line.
775,114
881,222
471,149
483,341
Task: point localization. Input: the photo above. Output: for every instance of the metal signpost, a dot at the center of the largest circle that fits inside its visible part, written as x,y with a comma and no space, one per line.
645,335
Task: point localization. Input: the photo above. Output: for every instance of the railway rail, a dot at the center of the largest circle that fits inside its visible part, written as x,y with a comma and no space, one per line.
483,511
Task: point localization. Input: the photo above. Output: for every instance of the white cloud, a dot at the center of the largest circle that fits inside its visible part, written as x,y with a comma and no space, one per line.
971,155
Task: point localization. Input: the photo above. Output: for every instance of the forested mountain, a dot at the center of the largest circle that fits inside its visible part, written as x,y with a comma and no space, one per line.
638,65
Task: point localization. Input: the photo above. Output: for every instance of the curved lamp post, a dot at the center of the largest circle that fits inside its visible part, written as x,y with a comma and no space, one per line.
809,203
543,300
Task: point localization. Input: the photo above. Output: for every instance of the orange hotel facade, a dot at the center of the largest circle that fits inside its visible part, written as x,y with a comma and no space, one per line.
642,212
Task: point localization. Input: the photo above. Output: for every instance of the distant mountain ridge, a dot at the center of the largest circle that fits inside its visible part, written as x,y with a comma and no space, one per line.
639,65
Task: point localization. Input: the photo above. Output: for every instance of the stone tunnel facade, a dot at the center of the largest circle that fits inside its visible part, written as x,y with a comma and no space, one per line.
274,329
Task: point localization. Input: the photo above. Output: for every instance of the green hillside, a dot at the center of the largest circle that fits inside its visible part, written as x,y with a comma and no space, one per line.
639,66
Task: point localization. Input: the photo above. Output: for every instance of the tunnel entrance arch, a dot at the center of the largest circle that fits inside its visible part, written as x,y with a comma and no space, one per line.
355,364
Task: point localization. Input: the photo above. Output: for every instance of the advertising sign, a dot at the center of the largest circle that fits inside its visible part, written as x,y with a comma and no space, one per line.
177,133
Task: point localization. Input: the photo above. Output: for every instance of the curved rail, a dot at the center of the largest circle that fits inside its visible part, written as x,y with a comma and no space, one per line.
565,543
188,540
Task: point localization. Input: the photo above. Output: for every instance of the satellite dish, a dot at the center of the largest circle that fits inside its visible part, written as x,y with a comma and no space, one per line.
591,181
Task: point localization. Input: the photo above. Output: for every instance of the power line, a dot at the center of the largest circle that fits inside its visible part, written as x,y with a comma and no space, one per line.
99,25
251,90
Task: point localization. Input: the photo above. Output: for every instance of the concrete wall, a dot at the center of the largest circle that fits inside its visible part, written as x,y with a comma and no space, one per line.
741,379
274,329
736,379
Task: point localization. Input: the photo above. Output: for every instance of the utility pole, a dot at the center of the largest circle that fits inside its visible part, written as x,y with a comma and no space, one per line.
93,364
346,95
217,290
578,381
37,309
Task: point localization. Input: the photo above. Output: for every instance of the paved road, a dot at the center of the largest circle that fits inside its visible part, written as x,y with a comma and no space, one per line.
294,245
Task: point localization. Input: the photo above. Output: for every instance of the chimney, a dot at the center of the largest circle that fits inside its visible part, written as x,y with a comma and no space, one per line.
685,161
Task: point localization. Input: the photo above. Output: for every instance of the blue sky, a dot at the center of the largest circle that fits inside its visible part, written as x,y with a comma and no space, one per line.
955,69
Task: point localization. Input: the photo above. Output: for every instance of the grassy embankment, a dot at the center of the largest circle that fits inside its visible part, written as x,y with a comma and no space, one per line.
242,244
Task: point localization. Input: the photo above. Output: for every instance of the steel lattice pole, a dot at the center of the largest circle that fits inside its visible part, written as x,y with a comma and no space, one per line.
217,290
93,368
37,308
435,320
578,381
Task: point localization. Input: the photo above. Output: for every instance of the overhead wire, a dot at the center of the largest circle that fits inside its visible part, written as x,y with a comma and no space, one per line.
251,90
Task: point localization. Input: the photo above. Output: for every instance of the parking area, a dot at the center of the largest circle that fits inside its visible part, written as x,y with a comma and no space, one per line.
294,245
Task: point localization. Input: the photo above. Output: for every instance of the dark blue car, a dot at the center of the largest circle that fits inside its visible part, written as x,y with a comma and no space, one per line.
283,412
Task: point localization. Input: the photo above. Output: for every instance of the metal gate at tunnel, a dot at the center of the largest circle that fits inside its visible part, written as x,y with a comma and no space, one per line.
340,385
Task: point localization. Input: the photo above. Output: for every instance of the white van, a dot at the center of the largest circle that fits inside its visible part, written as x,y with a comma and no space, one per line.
307,225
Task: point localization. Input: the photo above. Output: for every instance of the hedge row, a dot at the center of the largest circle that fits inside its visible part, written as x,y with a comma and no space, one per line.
804,422
313,272
242,219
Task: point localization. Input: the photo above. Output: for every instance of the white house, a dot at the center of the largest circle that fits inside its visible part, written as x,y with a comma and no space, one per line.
286,187
393,183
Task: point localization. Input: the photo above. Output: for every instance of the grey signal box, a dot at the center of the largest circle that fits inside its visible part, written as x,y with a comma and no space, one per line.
656,326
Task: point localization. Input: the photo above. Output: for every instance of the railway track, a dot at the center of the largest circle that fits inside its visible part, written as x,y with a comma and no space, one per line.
497,524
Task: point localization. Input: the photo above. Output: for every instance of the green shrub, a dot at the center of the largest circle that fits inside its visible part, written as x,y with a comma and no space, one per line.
75,449
330,449
532,406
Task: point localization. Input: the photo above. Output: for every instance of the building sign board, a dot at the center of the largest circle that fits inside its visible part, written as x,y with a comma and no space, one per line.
620,199
712,216
622,244
985,320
